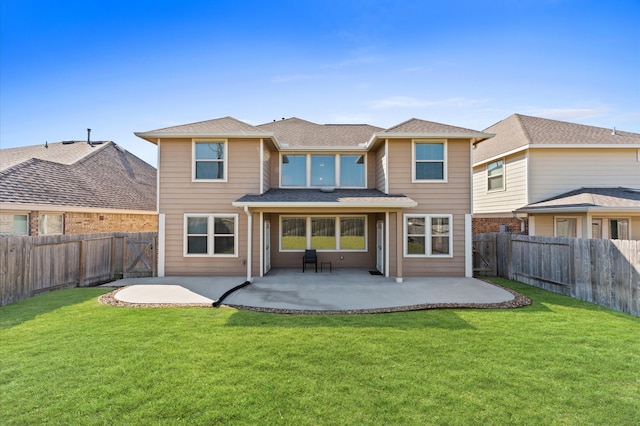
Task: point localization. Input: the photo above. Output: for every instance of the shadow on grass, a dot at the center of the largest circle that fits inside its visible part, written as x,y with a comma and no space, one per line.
542,299
25,310
436,318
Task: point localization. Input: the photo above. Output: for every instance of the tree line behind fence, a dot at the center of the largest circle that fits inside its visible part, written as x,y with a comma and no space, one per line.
605,272
33,265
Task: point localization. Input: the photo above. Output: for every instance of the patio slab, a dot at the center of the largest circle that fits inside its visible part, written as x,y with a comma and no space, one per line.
343,290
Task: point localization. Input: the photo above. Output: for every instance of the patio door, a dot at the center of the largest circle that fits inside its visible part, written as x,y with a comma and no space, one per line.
267,246
380,246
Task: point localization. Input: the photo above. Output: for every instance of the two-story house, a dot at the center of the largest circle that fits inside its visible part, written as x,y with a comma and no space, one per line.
562,179
236,199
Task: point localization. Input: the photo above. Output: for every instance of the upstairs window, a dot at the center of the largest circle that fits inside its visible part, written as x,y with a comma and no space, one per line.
321,170
495,175
430,162
209,158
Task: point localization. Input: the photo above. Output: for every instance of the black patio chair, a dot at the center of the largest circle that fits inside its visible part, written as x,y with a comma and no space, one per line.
310,256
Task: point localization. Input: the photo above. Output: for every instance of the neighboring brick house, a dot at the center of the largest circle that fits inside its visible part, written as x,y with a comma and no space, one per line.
75,188
238,199
553,178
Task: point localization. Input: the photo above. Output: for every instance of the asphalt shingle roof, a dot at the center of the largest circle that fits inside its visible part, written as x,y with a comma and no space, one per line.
224,125
585,198
519,130
318,196
105,176
295,132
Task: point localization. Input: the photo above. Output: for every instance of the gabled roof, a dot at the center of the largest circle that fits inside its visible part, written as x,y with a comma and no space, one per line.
78,176
219,127
294,132
522,131
588,199
60,152
297,133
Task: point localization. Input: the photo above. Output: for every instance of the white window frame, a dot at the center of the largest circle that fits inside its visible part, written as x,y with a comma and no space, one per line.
502,175
337,232
225,160
13,215
427,235
210,234
578,225
337,177
445,161
628,219
43,218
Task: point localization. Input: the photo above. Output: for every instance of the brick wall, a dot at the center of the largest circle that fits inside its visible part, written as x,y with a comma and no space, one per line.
34,218
88,223
481,225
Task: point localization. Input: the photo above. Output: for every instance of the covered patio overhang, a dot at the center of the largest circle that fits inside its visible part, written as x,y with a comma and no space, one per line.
309,201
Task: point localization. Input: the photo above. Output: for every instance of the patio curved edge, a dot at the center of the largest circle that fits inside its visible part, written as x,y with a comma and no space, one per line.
518,301
111,300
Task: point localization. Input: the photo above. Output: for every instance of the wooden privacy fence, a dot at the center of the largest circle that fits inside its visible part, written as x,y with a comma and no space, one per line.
33,265
605,272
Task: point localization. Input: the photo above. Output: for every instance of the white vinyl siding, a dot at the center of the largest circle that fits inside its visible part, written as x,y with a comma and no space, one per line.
514,194
556,171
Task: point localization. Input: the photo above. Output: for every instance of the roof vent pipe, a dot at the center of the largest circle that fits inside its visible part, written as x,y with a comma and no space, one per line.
614,132
89,137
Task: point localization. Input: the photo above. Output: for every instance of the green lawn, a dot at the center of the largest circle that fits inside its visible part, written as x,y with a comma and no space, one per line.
66,359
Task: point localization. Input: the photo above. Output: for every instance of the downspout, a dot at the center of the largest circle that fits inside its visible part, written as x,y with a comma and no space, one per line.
249,238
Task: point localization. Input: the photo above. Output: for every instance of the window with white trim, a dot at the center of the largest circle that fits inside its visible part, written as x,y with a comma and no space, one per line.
323,233
50,224
211,235
495,175
567,227
428,235
619,229
209,160
429,161
318,170
14,224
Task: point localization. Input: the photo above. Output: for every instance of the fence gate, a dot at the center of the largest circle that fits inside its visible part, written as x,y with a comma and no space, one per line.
140,258
485,256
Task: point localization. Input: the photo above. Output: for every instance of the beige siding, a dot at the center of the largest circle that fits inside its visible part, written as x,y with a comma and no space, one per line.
179,195
512,197
555,171
452,197
266,168
544,223
379,167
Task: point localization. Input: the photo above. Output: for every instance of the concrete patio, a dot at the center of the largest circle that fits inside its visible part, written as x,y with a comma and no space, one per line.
342,290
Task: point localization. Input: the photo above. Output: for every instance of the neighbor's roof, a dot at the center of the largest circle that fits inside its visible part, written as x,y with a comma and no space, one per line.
588,199
318,198
522,131
77,176
297,133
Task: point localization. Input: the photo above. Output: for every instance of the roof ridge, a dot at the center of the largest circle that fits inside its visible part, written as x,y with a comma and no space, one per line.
523,127
400,124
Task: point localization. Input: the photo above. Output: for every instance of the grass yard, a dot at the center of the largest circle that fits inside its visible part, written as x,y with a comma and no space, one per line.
66,359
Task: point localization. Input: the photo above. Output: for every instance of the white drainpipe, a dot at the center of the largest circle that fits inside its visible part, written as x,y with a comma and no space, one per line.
249,238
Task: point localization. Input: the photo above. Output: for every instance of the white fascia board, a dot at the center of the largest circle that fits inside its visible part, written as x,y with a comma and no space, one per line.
474,137
376,204
594,209
558,146
292,149
75,209
153,136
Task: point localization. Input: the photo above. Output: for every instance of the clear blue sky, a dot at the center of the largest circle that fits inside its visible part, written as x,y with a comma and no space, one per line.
124,66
